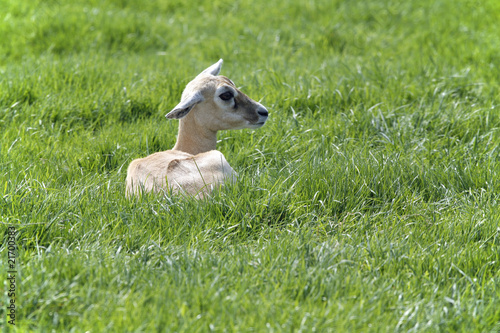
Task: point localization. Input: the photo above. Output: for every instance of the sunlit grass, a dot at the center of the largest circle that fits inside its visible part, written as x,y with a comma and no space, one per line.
368,202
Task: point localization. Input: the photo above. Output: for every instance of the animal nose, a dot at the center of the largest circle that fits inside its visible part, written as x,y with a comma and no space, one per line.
263,112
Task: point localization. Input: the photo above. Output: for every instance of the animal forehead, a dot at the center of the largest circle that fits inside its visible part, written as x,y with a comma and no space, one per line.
224,80
204,83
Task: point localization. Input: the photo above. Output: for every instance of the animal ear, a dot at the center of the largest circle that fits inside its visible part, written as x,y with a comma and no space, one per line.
214,69
183,108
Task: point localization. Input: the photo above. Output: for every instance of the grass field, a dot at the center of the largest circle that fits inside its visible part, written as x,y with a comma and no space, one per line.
368,202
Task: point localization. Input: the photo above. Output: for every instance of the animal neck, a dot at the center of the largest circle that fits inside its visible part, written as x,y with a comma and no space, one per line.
194,138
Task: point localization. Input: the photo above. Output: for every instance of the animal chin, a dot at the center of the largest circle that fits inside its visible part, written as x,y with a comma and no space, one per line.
257,125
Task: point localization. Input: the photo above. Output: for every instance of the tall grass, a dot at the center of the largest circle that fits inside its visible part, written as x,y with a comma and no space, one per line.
368,202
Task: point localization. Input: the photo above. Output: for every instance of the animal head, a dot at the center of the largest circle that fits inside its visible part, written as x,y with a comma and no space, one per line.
215,102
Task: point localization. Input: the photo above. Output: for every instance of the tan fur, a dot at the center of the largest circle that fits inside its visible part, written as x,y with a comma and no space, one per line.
193,165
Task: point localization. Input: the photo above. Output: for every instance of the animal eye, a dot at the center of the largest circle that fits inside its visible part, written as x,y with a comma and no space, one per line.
226,96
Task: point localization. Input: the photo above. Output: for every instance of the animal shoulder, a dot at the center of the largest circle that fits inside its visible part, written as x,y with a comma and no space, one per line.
208,167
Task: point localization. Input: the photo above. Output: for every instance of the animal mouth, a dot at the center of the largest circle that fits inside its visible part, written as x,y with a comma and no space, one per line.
257,123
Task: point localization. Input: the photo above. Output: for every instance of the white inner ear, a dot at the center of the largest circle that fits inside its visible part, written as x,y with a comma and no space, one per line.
183,108
190,101
214,69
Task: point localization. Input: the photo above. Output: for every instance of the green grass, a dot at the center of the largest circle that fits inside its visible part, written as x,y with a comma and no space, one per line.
370,200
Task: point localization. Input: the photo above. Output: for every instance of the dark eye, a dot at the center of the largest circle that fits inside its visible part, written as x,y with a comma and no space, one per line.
226,96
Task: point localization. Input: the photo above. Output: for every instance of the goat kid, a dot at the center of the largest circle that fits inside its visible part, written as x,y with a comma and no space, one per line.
209,103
